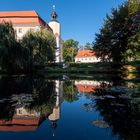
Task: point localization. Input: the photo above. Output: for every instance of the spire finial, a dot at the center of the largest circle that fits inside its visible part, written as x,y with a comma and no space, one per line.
54,14
53,7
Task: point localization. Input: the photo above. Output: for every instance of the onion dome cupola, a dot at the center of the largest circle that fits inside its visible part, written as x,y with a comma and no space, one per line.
54,15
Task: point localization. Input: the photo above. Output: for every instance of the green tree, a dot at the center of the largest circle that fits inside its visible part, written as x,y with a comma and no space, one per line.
134,39
41,45
43,96
134,14
118,39
13,57
69,50
87,46
134,6
69,92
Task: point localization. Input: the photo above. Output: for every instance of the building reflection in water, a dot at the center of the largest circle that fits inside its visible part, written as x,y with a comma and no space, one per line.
27,119
55,116
22,120
88,86
116,105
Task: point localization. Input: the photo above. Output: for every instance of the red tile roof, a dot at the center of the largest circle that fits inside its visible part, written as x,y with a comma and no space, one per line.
85,88
17,128
19,14
20,124
85,53
22,17
26,121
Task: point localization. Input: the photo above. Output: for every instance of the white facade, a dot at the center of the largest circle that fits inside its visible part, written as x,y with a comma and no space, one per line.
87,59
56,110
56,27
21,111
89,82
21,30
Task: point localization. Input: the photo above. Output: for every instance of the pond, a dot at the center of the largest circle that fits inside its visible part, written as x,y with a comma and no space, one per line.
90,107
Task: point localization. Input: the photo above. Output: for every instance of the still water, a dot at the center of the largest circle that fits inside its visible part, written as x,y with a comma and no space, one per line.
69,108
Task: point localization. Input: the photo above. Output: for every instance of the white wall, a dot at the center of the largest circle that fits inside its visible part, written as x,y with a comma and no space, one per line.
56,27
87,59
21,30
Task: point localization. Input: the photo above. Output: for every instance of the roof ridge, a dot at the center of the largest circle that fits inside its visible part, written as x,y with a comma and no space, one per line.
19,11
28,13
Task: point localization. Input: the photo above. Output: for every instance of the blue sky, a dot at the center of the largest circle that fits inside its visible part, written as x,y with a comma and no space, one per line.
80,19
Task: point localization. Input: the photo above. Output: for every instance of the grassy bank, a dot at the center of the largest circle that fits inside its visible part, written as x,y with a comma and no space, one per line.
90,68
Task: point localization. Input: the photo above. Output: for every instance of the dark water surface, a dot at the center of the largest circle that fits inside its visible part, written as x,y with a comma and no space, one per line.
63,108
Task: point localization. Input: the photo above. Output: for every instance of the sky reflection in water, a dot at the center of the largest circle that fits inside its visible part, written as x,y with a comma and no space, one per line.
95,109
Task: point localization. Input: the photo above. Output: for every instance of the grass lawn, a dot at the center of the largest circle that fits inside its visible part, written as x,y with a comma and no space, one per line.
100,67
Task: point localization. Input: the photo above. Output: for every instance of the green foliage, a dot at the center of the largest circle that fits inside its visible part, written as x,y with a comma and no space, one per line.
134,39
20,56
43,96
13,57
41,45
69,50
134,6
69,92
118,40
87,46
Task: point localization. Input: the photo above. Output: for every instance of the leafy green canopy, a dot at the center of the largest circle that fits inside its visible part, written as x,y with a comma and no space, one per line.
41,45
87,46
13,57
69,92
69,50
119,38
134,6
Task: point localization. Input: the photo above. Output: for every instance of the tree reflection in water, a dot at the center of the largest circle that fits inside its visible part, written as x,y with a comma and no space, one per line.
116,100
69,91
119,107
26,97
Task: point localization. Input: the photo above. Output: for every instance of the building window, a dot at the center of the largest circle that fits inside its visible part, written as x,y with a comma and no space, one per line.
20,112
20,30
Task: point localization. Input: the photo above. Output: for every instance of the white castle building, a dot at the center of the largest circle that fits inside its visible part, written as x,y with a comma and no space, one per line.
24,21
